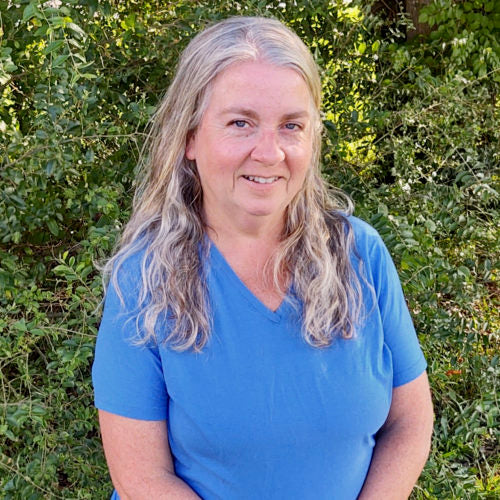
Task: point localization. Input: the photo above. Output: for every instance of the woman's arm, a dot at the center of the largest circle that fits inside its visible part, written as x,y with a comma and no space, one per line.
403,443
139,459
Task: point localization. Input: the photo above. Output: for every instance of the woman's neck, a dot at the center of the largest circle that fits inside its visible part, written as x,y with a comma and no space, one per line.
249,250
263,231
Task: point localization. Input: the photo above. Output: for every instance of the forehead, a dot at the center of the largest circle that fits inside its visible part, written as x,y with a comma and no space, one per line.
259,84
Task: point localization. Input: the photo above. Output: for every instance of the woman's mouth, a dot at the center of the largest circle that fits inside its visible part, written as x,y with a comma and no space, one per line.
261,180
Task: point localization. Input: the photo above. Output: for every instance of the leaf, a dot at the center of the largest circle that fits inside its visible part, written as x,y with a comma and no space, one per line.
129,22
423,17
18,201
31,10
41,134
59,60
53,46
49,168
63,270
53,227
58,22
464,271
86,271
74,78
20,325
74,27
430,225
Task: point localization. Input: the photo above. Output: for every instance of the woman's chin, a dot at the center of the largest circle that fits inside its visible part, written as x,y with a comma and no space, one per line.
262,210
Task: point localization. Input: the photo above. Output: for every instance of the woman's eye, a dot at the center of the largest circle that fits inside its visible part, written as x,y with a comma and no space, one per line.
239,123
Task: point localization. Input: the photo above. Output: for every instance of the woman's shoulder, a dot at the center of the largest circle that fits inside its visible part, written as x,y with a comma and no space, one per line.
367,241
361,228
125,276
363,232
128,264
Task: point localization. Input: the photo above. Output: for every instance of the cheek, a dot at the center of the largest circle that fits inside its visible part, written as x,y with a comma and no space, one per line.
300,159
229,155
217,167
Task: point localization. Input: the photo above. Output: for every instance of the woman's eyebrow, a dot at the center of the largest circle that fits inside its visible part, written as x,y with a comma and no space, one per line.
252,114
239,111
296,114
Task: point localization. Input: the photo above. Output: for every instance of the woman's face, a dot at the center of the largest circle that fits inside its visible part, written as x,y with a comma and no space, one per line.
253,146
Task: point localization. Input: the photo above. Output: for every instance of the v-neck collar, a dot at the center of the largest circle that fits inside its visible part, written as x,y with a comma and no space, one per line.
218,261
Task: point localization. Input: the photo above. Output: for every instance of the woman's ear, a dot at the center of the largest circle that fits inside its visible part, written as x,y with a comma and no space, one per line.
191,146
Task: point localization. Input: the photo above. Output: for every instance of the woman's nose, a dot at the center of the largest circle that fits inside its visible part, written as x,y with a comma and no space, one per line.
267,149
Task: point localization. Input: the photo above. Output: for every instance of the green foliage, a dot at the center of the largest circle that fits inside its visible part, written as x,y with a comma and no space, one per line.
411,133
467,33
432,191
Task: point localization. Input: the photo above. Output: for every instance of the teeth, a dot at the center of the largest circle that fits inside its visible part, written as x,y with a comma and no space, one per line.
261,180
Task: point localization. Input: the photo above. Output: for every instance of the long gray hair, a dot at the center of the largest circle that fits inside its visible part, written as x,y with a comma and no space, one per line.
167,224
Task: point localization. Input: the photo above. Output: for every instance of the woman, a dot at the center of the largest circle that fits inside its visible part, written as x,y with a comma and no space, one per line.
255,342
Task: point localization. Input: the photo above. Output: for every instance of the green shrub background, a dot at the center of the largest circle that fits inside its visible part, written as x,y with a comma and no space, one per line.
411,132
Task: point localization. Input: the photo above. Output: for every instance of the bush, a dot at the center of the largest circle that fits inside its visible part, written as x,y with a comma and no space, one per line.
411,133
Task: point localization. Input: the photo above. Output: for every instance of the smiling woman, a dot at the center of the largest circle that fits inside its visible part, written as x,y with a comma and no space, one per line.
255,341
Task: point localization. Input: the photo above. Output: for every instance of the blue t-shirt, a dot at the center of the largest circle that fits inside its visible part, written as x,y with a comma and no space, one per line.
259,413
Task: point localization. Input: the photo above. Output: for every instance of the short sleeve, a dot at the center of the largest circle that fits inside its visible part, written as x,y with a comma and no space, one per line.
399,332
128,378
